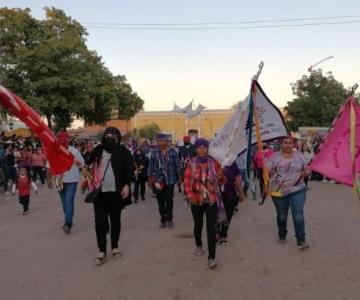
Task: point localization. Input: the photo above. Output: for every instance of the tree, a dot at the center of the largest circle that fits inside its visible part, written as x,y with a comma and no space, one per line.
47,63
128,103
317,100
148,131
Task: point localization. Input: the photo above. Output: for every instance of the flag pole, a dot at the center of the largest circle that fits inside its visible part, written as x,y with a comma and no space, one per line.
255,77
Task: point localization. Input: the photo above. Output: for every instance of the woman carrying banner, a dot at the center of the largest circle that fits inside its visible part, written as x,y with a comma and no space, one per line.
67,182
202,187
287,169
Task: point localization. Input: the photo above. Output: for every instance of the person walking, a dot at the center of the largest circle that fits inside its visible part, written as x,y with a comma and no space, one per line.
9,169
232,193
38,162
202,186
186,152
164,168
68,181
287,170
141,163
23,185
112,165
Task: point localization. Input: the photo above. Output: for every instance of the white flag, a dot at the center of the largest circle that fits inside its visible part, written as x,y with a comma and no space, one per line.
232,138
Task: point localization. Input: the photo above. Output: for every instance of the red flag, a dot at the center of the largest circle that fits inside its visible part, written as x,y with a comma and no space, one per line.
60,159
339,156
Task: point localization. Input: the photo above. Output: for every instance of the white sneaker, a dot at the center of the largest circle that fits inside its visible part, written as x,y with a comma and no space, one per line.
212,264
7,194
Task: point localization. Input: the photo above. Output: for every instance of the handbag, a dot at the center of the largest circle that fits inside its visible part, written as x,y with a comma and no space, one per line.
91,196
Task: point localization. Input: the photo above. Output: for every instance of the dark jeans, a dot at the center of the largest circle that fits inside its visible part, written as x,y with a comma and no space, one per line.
259,176
38,171
139,184
296,202
246,181
24,201
165,200
107,205
67,195
211,216
229,205
9,174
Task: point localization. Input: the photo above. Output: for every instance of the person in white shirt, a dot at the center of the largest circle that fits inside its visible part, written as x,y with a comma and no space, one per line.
68,181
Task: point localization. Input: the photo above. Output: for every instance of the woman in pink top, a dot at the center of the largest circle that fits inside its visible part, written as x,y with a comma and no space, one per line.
38,161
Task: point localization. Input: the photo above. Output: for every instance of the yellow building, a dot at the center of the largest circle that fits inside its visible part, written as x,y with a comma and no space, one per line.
206,125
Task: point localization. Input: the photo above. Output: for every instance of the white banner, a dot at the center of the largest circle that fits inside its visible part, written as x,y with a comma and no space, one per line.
232,139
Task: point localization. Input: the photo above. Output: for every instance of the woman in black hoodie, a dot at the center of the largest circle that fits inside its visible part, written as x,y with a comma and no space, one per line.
114,165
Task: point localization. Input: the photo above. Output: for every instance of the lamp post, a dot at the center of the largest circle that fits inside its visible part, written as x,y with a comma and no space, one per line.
318,63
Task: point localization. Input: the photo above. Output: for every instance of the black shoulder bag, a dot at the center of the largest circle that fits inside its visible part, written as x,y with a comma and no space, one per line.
91,196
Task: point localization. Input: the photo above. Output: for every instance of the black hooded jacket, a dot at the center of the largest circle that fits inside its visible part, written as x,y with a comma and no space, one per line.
122,164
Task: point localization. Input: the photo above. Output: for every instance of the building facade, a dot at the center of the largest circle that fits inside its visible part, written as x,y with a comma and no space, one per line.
207,124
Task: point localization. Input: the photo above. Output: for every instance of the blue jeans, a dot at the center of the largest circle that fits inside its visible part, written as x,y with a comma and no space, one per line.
67,196
296,202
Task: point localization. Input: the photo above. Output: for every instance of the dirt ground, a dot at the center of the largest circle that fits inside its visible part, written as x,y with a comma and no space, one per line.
38,261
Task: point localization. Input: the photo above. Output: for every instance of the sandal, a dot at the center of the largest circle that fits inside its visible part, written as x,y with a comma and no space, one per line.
100,259
116,253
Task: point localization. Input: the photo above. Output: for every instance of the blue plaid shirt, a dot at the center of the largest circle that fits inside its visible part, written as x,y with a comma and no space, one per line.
166,167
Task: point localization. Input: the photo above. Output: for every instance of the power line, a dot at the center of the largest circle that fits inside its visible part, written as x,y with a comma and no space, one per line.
223,23
225,27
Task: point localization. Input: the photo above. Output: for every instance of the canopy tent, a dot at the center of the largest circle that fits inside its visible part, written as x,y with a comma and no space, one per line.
23,132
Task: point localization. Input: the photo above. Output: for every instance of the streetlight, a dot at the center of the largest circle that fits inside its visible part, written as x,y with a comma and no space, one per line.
319,62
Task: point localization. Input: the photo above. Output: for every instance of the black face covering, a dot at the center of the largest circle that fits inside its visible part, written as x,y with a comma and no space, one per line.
187,143
109,144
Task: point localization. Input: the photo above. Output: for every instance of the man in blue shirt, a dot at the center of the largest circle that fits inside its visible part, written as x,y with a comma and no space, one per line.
164,173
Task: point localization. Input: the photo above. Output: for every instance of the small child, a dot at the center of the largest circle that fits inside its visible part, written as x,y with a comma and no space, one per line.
23,185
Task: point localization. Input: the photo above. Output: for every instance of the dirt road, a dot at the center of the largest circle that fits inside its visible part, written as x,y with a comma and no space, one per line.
38,261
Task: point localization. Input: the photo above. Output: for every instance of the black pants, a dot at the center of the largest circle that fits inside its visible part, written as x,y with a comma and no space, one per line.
259,176
211,217
165,200
229,205
139,184
107,205
38,171
24,201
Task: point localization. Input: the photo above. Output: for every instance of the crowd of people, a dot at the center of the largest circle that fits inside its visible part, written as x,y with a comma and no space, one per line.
120,172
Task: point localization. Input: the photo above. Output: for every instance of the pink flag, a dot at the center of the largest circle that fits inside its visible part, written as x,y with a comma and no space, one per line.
60,159
334,159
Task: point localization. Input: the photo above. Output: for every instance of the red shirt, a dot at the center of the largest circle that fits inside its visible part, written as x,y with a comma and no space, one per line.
23,185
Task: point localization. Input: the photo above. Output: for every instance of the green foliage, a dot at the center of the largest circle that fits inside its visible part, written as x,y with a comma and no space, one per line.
128,103
317,100
148,131
48,64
